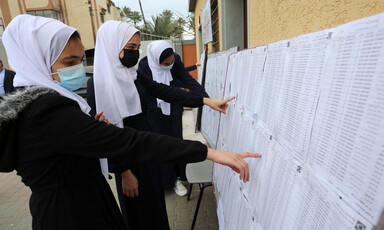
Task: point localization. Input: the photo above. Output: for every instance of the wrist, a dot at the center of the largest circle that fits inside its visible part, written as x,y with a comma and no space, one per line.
210,153
126,173
206,100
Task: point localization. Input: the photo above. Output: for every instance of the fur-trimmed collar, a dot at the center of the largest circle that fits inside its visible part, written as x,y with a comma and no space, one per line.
12,104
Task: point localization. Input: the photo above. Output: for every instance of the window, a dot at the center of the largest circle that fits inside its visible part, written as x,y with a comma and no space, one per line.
46,13
39,13
109,8
102,12
58,15
1,26
215,25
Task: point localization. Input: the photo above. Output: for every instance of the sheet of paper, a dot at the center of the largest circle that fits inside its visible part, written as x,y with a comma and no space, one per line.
242,216
257,58
307,57
271,82
231,198
241,76
215,78
220,215
260,140
233,76
347,140
275,187
314,205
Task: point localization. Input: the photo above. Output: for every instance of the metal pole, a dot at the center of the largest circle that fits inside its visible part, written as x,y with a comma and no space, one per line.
200,109
142,13
93,24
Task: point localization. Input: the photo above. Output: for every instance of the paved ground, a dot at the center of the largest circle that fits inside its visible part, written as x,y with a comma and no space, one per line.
180,211
14,198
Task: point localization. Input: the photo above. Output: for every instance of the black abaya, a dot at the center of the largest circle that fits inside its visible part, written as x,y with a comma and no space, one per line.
57,148
170,125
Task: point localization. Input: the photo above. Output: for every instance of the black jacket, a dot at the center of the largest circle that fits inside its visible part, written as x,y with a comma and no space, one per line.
8,81
55,147
160,123
191,68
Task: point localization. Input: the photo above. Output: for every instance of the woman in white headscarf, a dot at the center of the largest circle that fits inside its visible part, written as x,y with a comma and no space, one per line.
163,65
121,93
48,138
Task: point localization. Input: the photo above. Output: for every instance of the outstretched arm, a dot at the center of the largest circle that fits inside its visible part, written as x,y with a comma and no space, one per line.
190,68
181,97
61,119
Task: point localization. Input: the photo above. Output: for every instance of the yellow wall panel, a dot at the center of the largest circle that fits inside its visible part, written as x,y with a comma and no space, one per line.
14,8
35,3
79,18
274,20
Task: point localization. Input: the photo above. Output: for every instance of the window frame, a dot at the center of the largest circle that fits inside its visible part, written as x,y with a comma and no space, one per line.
215,26
53,14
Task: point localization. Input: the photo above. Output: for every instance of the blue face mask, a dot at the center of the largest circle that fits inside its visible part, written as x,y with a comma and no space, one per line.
168,67
71,77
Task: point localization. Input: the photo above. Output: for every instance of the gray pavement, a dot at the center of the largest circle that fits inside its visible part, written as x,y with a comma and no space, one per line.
14,198
180,211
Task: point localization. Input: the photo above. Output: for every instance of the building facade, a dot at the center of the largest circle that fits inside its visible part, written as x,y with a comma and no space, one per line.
251,23
85,15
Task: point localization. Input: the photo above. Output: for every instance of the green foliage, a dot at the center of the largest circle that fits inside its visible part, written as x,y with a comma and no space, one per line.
133,16
191,22
165,24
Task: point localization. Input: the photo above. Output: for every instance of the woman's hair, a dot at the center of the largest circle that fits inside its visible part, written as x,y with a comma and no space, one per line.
165,54
75,35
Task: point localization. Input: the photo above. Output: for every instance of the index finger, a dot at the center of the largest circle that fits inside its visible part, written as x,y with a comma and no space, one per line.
253,155
230,99
97,116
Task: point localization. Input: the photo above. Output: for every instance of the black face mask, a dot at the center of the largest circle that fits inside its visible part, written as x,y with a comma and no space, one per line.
130,59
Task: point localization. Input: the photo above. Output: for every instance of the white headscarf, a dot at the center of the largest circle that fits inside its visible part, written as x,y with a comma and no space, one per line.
159,74
115,90
33,45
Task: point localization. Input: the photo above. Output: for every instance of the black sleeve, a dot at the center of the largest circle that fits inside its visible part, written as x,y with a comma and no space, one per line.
9,75
67,130
191,68
186,80
144,69
170,94
91,97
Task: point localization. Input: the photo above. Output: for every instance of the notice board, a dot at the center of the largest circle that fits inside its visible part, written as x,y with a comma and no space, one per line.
313,105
